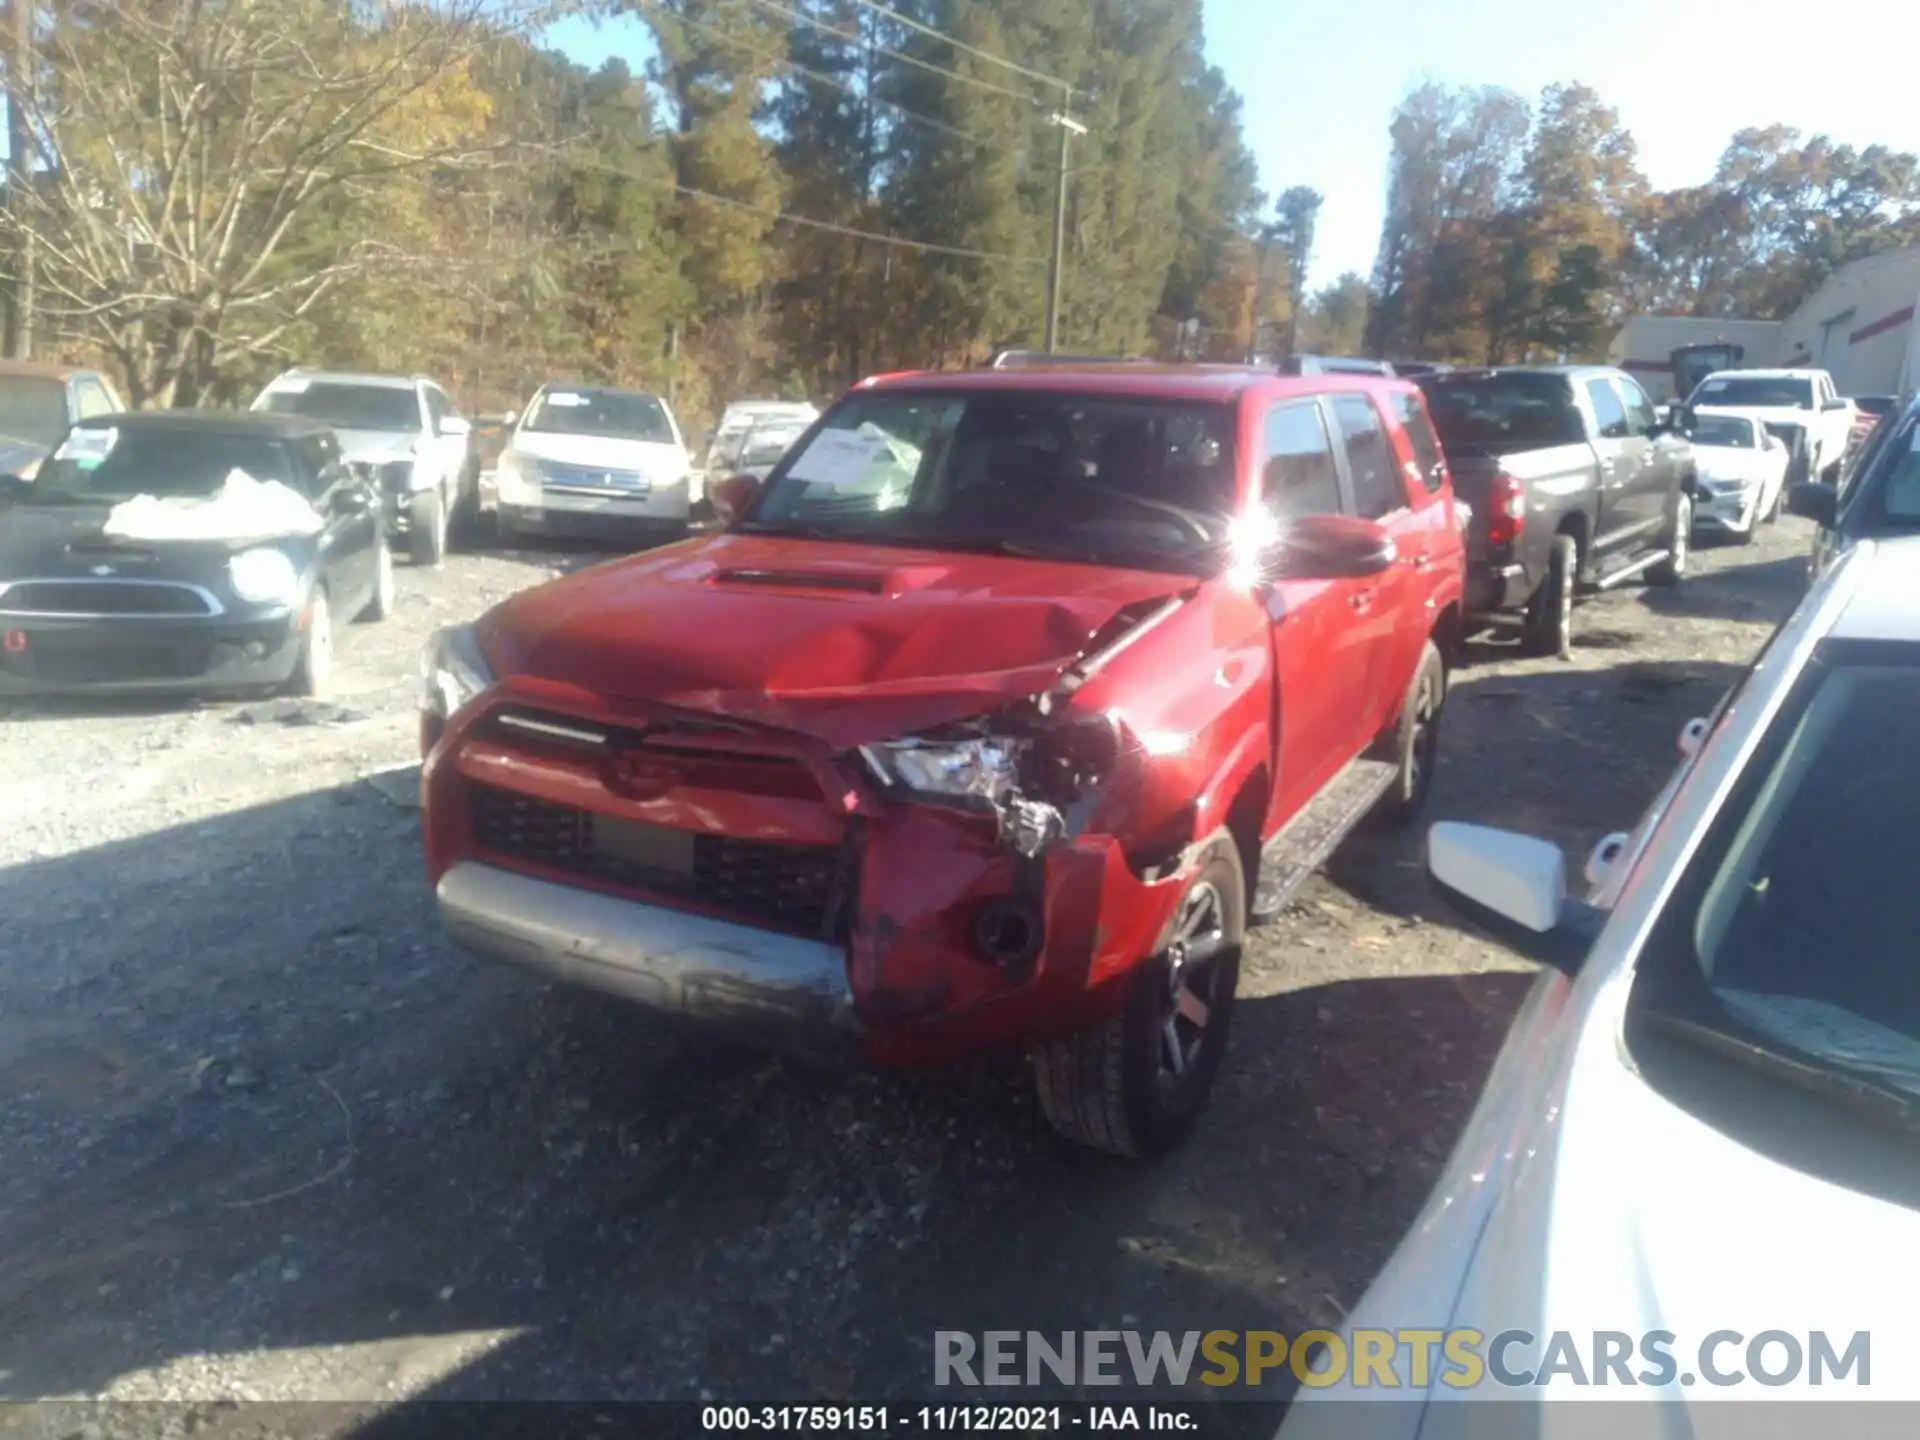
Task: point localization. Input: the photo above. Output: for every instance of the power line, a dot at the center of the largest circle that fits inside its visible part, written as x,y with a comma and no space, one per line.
784,218
823,78
932,33
819,24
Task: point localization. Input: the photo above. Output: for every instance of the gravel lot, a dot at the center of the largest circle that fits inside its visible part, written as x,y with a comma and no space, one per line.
267,1136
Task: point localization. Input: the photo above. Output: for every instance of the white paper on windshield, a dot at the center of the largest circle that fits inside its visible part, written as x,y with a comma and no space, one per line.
87,448
1713,387
566,399
288,387
838,457
243,509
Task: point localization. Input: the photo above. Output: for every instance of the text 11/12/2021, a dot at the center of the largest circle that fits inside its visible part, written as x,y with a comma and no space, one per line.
889,1420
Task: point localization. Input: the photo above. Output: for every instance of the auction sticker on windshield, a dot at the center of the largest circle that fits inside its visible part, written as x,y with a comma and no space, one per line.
288,387
838,457
566,399
87,448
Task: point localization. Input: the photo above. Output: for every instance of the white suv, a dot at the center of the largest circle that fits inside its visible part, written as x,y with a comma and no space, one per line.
405,428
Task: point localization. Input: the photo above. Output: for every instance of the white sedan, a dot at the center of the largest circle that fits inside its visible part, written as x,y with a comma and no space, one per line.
1694,1173
1742,471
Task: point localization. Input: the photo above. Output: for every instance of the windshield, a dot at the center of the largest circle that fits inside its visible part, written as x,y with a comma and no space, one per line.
1724,430
1104,480
33,408
1794,930
766,444
347,406
1900,494
1758,391
610,414
107,464
1502,413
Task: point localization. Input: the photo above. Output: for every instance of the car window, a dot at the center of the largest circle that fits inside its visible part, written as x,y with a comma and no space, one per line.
1760,392
609,414
1609,415
346,405
1730,430
1641,417
1502,412
318,455
1377,487
1426,445
1900,496
438,407
1101,479
1298,476
116,462
90,398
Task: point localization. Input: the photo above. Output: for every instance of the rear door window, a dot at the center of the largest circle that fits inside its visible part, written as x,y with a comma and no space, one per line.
1609,415
90,398
1377,488
1298,475
1426,445
1641,416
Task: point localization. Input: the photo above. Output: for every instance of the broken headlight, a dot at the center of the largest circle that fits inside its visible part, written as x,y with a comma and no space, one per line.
983,768
452,670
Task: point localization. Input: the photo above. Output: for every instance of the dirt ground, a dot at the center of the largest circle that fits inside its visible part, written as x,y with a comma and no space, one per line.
267,1136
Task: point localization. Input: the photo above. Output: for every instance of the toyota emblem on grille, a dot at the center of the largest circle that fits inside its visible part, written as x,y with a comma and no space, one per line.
644,776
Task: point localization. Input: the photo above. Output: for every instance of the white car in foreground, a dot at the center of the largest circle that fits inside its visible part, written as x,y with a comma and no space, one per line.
1742,471
593,462
1694,1174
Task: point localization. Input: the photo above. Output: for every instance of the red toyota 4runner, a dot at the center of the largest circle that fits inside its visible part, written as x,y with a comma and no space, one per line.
994,717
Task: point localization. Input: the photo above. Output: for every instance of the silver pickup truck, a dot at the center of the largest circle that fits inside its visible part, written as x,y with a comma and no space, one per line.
38,402
1576,485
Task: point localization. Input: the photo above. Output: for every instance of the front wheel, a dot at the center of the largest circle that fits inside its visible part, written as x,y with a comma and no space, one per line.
1673,569
427,528
1135,1083
313,675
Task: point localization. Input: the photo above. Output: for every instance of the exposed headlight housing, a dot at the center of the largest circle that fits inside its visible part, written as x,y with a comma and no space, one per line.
984,769
264,576
452,671
397,474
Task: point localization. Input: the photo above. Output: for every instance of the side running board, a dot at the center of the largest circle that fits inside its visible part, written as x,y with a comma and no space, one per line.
1311,836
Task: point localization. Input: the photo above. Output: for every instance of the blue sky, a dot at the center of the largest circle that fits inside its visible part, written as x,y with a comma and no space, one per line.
1320,78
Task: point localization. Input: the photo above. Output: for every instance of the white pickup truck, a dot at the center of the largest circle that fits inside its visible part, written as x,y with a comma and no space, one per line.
1801,407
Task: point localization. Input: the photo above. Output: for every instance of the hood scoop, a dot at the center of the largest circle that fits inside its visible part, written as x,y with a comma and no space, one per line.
841,581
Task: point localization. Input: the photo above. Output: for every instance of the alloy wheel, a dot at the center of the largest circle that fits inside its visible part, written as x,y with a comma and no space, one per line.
1199,937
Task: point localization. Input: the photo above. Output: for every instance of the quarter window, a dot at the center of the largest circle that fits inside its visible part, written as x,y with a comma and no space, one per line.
1377,486
1298,474
90,399
1641,417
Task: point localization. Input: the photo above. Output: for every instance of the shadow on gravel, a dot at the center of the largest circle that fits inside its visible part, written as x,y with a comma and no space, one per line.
1763,592
252,1105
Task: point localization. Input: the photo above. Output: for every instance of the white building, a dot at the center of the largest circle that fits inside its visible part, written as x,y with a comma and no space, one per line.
1859,325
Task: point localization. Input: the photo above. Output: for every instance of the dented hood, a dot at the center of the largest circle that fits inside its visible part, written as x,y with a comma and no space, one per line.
845,643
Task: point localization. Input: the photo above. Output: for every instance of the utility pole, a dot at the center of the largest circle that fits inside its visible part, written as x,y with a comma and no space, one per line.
1069,128
20,298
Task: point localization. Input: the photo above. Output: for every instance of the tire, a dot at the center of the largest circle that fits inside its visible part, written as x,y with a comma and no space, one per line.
1673,569
313,674
1751,533
381,605
427,528
1547,628
1416,739
1116,1086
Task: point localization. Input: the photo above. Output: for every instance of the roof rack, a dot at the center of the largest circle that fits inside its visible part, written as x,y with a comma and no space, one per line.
1039,359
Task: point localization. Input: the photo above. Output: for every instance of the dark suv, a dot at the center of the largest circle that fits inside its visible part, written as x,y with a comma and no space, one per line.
1878,493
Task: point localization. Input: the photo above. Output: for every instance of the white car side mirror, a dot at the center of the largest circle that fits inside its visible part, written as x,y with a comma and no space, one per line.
455,425
1516,877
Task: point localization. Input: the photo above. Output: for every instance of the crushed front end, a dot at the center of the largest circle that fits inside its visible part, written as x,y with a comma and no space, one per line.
902,901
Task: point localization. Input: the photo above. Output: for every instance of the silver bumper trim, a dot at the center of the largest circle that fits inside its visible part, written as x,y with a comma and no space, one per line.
787,992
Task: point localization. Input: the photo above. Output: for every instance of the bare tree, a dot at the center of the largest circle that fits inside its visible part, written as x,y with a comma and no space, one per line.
211,170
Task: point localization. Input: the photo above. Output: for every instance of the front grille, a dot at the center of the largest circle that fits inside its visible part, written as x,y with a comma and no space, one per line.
101,597
113,664
592,477
799,888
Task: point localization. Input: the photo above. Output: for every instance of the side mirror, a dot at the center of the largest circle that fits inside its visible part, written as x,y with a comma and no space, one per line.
14,487
1837,403
509,418
1811,500
455,426
1331,547
733,495
1514,887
